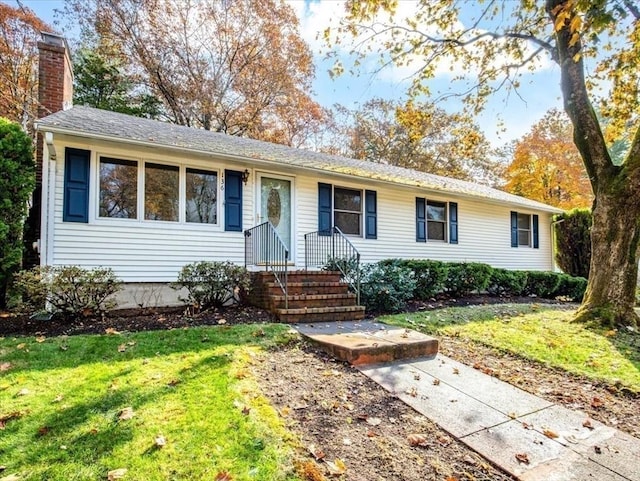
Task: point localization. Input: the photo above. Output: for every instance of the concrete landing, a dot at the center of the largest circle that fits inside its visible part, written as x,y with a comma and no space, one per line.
529,437
367,342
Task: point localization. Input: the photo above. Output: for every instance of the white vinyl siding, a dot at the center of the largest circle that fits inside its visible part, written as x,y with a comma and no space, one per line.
152,251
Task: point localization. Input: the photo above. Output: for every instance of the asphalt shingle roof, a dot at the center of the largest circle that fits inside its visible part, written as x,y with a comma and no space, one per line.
90,122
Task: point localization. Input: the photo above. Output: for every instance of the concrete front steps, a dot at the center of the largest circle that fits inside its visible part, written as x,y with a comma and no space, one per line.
368,342
313,296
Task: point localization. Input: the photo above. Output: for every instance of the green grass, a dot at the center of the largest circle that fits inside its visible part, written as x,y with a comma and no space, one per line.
189,386
540,333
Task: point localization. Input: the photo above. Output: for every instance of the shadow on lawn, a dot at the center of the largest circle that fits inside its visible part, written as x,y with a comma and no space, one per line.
27,354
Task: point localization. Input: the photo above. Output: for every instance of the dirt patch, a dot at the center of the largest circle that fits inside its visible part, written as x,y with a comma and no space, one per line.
339,414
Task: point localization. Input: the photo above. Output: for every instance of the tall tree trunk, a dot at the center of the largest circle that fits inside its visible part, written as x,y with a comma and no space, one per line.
610,295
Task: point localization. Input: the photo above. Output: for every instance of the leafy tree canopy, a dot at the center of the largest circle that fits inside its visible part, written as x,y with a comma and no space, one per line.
547,167
595,43
19,34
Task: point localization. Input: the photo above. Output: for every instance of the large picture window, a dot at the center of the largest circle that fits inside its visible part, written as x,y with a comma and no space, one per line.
202,196
118,188
348,210
130,189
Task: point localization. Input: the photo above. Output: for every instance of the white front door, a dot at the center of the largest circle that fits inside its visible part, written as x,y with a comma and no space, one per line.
275,199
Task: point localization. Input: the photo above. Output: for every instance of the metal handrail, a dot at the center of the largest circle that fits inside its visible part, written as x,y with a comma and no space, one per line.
331,248
264,247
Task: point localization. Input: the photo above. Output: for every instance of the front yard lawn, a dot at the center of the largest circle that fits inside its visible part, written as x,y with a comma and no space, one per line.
542,333
78,407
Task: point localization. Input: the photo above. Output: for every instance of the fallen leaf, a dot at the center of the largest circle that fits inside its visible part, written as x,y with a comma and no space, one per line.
451,478
526,425
22,345
436,382
246,410
131,343
315,452
512,415
347,442
336,468
23,392
160,441
122,347
456,370
58,398
550,434
522,458
110,331
469,460
116,474
5,366
41,339
413,392
5,418
44,430
597,403
223,476
222,321
443,440
371,433
418,440
597,449
587,424
416,377
373,421
173,382
126,413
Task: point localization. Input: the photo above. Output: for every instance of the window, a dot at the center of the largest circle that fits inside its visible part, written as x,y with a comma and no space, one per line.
161,192
202,196
130,189
347,211
436,220
118,188
524,230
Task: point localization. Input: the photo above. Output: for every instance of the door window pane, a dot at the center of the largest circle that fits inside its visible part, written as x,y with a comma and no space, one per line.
118,188
202,196
161,192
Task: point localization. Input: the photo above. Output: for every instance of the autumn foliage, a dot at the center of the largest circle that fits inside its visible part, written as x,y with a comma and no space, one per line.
547,165
19,33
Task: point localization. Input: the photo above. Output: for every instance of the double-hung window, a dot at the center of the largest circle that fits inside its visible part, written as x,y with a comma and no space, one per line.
436,221
524,230
353,211
347,210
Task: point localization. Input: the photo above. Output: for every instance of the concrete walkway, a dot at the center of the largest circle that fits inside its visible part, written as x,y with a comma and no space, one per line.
529,437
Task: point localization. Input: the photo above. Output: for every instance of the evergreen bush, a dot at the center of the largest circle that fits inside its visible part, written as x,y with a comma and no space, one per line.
504,282
467,277
386,287
17,181
573,242
211,283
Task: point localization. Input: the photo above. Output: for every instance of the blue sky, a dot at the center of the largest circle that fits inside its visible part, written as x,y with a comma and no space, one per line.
540,90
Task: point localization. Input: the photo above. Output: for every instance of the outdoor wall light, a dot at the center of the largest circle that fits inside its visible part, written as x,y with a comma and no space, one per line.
245,176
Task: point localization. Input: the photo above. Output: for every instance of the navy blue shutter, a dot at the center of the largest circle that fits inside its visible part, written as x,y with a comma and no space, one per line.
233,200
514,229
76,185
536,239
421,220
453,222
371,208
324,206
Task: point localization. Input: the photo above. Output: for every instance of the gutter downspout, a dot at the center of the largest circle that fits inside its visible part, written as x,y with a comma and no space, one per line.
48,198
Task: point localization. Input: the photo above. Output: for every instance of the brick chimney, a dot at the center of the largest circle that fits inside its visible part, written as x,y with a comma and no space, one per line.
55,93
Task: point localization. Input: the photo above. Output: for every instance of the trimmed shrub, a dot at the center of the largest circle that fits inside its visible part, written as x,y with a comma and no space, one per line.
211,284
465,278
570,287
573,241
542,284
70,291
386,287
504,282
430,275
